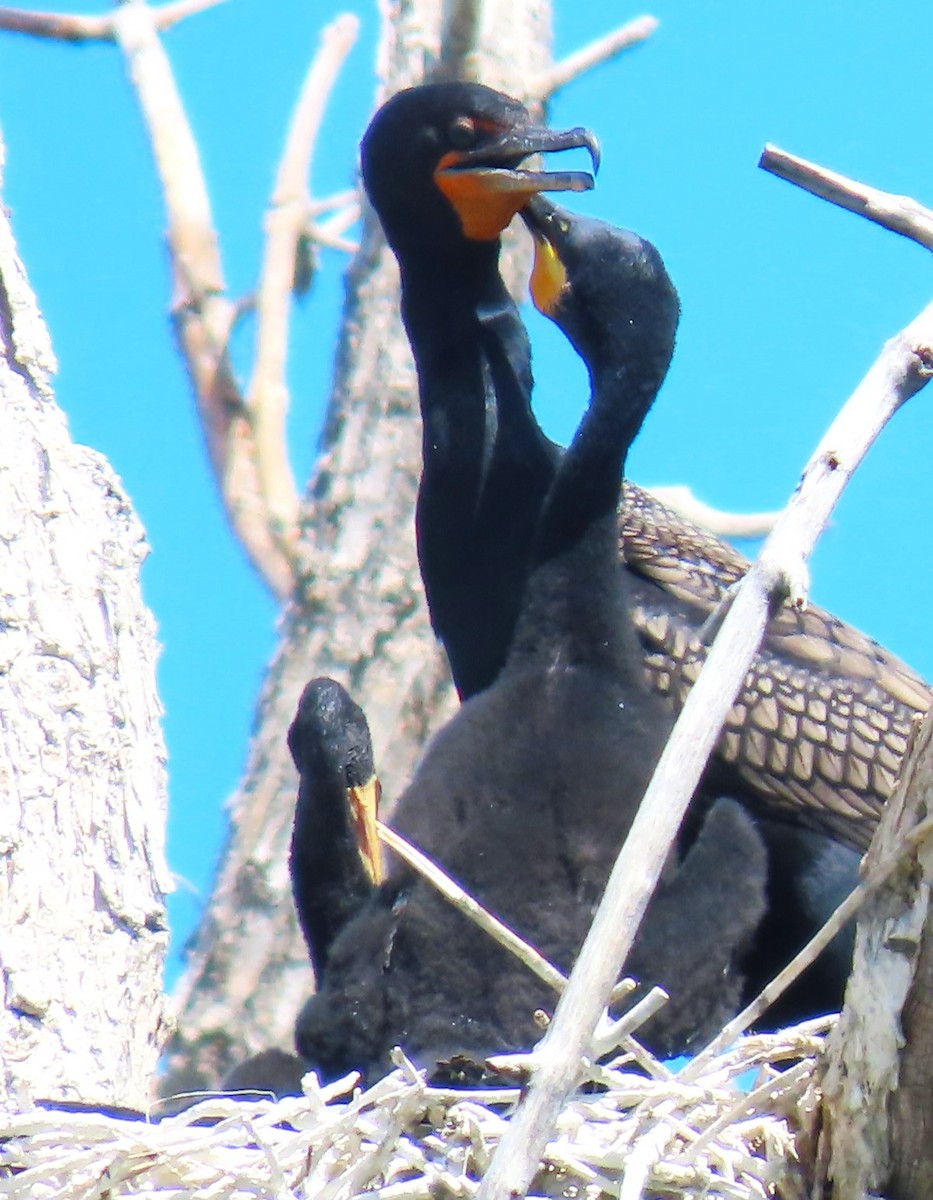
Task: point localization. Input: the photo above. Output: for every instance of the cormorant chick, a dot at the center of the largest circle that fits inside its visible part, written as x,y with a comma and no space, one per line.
336,856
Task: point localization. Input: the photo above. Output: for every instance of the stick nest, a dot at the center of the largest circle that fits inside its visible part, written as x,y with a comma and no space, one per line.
638,1130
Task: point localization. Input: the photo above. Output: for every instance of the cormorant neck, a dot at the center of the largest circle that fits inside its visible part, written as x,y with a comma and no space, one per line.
575,611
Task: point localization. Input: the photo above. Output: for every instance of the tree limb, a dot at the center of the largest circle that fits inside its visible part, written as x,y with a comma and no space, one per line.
74,27
202,313
681,498
900,214
597,52
62,27
286,224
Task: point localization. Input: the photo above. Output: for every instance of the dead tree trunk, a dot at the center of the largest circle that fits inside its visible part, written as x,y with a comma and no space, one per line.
361,615
877,1111
82,761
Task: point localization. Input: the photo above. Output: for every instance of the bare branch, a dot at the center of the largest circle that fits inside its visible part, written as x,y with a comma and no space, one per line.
73,27
465,903
286,225
202,314
170,14
63,27
461,899
724,524
900,214
904,366
609,46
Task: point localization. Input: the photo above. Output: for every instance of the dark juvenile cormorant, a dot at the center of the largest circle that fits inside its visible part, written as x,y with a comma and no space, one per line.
336,856
335,860
809,874
822,723
526,794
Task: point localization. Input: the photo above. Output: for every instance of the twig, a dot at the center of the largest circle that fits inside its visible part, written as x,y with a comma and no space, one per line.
202,313
900,214
470,907
724,524
285,226
170,14
904,366
455,894
610,45
62,27
74,27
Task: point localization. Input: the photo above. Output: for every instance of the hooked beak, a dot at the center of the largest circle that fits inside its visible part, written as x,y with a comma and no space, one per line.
487,187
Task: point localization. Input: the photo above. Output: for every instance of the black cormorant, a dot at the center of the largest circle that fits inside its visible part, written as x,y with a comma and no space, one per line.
526,795
336,856
809,874
819,730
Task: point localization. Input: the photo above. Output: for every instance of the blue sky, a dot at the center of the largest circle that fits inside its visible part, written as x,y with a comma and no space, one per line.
786,300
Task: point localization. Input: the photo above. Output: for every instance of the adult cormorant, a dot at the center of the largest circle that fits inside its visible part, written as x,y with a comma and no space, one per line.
526,794
440,164
336,856
819,730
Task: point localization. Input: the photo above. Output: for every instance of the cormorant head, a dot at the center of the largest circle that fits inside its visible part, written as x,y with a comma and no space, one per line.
329,739
606,288
441,163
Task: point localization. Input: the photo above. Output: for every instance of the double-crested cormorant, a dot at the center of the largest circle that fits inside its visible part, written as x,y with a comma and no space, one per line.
820,728
335,860
336,856
809,874
526,794
434,159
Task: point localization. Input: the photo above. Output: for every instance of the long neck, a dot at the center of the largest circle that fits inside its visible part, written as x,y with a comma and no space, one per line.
487,466
575,610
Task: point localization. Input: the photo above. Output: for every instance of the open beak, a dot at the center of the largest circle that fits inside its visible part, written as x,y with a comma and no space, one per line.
548,275
487,186
364,808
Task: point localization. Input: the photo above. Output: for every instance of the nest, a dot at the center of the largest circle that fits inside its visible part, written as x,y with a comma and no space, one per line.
636,1129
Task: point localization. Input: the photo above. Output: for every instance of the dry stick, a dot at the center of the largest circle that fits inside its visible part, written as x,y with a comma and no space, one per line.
900,214
593,55
453,892
878,874
286,224
903,367
72,27
62,27
470,907
202,313
681,498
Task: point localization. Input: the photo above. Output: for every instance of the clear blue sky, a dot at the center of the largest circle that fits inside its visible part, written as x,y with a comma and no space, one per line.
785,300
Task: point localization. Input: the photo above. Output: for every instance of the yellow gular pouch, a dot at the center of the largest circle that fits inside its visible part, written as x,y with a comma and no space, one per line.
548,277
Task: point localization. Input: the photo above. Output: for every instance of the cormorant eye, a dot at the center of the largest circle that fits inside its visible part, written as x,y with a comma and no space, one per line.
462,133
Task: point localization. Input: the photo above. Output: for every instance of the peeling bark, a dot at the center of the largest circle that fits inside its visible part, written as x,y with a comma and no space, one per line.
82,760
877,1109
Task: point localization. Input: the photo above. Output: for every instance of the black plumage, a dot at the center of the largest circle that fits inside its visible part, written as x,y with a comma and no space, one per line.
483,481
808,873
335,859
526,795
818,732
